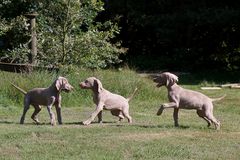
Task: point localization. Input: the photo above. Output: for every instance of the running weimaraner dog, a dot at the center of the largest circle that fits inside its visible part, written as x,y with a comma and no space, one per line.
104,99
46,97
181,98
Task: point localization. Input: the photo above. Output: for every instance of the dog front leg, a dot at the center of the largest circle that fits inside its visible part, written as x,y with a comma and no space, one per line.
51,114
59,113
59,110
175,117
99,108
100,117
166,105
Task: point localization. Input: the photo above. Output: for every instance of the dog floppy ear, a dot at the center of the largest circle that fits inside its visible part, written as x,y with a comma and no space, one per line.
98,85
167,81
58,83
171,79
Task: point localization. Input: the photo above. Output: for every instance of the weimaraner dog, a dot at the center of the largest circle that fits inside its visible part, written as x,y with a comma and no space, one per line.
181,98
47,97
104,99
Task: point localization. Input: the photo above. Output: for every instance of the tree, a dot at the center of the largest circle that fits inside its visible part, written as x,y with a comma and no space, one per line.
179,35
13,32
69,34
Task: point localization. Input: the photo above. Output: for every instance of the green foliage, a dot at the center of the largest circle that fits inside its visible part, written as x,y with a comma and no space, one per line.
159,33
16,36
3,27
109,79
68,33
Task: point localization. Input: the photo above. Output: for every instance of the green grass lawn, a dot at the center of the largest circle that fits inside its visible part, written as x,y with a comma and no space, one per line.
149,137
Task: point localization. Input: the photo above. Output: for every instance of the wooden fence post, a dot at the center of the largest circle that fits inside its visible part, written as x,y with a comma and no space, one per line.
32,18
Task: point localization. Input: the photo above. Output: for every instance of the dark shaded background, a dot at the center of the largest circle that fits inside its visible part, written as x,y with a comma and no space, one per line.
182,35
179,35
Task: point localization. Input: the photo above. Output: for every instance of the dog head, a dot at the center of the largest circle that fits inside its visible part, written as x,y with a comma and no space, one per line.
61,83
166,79
92,83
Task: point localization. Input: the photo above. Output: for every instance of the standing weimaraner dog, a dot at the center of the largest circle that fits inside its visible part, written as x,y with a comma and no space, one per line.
46,97
181,98
104,99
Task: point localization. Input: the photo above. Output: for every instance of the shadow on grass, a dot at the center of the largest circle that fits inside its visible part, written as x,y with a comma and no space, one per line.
144,126
48,123
7,122
162,126
147,126
29,123
181,127
168,126
26,123
81,123
114,124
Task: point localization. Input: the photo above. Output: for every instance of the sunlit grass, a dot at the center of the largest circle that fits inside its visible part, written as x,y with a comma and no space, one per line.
149,137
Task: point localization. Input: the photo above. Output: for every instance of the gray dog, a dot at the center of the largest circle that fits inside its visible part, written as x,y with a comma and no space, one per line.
181,98
104,99
47,97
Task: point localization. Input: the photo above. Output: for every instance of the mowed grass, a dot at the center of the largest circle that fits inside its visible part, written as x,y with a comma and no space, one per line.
149,137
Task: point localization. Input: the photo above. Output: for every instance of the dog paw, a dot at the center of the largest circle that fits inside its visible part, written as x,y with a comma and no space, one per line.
164,105
86,123
160,110
53,123
38,123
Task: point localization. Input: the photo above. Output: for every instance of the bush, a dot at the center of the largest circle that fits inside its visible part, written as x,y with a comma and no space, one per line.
68,33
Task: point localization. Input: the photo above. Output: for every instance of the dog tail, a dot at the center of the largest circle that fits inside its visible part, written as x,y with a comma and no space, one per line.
218,99
133,94
18,88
